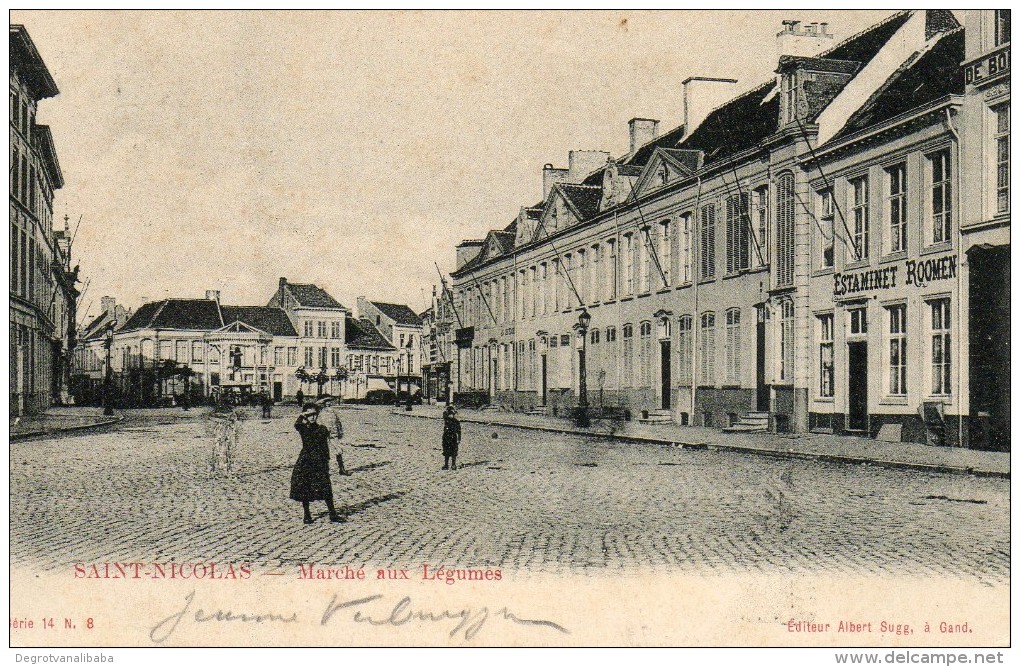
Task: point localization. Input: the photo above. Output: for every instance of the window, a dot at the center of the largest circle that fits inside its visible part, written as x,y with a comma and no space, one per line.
197,351
309,357
401,340
181,351
683,342
826,227
645,370
644,260
858,321
628,355
665,252
825,365
334,357
860,214
685,248
1001,158
595,279
896,208
386,366
733,346
789,91
612,269
737,224
292,356
707,242
897,360
278,357
941,197
784,231
707,350
166,350
628,263
309,329
611,359
1001,26
334,329
786,342
941,385
323,356
581,276
594,336
761,218
543,292
358,362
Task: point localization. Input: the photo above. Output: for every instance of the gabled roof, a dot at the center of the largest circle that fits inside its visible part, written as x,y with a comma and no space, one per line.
678,164
399,313
190,314
742,123
928,76
96,329
584,199
362,334
271,320
312,296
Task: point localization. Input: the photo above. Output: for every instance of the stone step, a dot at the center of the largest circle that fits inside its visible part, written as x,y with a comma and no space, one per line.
657,419
540,410
741,427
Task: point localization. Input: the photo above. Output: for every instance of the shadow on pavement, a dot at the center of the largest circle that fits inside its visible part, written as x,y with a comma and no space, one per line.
370,466
348,510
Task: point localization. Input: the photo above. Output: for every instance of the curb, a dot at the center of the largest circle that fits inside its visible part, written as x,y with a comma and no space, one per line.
69,429
809,456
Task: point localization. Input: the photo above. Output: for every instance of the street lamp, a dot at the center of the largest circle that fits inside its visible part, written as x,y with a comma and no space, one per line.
108,377
583,322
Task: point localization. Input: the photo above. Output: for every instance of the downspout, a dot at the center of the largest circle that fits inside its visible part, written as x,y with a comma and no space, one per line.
959,288
696,318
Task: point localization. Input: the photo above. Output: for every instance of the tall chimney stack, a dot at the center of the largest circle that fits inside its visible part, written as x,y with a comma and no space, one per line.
108,304
642,130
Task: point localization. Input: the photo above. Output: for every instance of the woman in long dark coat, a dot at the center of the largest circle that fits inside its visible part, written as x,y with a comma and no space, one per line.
310,479
451,437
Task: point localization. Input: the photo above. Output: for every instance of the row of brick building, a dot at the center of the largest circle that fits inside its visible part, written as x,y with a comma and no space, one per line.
826,251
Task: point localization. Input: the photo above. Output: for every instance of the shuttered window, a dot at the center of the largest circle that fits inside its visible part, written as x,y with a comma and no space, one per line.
737,224
707,248
784,231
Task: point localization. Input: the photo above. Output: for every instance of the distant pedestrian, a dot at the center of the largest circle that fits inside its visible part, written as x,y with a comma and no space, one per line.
267,405
330,418
310,479
300,398
184,401
451,438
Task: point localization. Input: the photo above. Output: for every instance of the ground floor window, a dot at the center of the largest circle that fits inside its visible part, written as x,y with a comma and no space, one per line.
707,350
825,365
786,346
897,350
940,348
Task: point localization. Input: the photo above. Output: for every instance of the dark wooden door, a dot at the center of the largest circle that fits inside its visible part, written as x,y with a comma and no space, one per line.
761,389
545,379
858,386
667,380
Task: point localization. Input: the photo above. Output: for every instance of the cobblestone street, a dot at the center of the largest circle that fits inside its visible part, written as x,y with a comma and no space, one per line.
143,491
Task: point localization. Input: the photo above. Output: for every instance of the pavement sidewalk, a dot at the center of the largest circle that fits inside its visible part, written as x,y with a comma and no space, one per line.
817,446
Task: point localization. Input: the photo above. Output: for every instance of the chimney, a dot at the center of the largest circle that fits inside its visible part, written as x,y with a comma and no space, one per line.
642,130
108,303
582,163
798,39
702,94
362,307
551,176
213,295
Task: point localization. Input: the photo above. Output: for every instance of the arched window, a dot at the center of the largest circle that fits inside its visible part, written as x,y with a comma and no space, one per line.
683,344
646,354
786,343
628,355
706,347
733,346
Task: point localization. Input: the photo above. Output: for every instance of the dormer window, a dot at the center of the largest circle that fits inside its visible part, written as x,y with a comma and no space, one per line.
790,96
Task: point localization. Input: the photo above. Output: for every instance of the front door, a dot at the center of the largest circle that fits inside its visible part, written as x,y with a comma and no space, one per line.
761,389
277,391
667,399
858,386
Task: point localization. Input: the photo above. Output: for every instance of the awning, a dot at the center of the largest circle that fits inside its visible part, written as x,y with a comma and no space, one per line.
377,383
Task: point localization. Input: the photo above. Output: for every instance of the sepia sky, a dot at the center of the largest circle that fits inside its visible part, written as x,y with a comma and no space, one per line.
217,150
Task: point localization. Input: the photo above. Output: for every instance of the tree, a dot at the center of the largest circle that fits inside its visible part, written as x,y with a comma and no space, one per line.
320,379
302,375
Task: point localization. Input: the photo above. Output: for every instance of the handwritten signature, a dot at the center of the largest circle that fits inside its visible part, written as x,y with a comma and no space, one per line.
467,621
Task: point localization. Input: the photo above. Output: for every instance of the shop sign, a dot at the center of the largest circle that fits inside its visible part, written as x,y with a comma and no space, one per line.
988,66
919,273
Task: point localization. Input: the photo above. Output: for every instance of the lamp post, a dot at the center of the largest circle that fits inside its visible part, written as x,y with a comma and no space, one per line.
108,377
583,322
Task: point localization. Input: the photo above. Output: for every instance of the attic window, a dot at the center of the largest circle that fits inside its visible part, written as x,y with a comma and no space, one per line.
378,320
